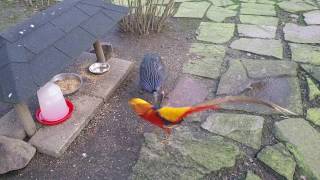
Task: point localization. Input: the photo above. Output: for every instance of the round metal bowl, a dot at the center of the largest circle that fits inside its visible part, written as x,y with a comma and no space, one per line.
99,68
68,76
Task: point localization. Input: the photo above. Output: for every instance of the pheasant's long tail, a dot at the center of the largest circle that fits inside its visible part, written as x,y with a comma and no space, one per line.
198,108
242,99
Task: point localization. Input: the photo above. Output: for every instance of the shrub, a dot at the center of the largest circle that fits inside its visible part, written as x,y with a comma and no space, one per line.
147,16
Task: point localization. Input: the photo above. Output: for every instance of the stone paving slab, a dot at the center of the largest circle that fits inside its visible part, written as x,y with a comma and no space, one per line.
205,67
208,50
301,34
190,154
55,140
294,7
246,129
303,141
313,90
266,1
187,92
305,53
192,9
313,115
279,159
314,71
259,20
312,17
219,14
267,47
269,68
258,9
10,126
209,63
221,2
284,91
234,80
257,31
218,33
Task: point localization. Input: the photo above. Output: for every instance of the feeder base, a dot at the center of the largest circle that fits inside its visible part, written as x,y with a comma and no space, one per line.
56,122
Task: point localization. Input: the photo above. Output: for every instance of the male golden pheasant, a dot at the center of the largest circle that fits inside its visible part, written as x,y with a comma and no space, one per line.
167,117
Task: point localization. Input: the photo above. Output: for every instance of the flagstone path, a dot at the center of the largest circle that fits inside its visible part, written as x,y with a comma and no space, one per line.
279,47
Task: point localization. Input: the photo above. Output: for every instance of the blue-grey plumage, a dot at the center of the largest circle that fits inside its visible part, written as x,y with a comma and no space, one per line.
152,75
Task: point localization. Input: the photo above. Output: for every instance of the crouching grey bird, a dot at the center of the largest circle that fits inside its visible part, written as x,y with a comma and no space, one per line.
152,75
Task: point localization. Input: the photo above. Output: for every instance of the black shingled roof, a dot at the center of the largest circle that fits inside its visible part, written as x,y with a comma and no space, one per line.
35,50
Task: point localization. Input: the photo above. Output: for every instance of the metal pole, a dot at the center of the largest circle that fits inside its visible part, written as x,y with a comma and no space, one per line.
25,117
99,51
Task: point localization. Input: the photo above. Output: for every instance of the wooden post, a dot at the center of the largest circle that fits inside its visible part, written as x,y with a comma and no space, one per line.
25,117
99,51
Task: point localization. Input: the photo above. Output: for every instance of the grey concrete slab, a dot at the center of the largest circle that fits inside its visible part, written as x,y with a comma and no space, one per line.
54,140
105,84
10,126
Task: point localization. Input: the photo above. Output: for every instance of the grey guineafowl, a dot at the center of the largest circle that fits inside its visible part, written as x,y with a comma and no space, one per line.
152,75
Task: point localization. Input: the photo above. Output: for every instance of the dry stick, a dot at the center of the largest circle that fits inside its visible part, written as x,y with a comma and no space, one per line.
166,14
30,3
148,15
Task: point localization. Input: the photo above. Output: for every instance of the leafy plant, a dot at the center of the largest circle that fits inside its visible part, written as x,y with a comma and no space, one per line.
146,16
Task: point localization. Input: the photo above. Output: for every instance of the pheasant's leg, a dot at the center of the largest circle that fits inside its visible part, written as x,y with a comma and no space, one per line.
156,99
161,97
167,133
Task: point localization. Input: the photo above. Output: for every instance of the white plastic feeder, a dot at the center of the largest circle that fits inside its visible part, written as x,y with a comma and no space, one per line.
52,103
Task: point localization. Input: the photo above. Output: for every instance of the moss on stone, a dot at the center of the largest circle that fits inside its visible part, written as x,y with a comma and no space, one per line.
313,89
313,114
278,159
252,176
